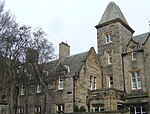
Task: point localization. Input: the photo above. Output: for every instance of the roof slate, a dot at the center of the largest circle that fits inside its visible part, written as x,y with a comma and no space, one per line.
141,38
74,62
112,12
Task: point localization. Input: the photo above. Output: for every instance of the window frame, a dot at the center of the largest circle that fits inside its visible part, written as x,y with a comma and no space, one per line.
111,82
20,110
22,90
37,110
98,108
61,84
134,110
136,82
61,107
109,57
108,37
39,88
133,53
93,82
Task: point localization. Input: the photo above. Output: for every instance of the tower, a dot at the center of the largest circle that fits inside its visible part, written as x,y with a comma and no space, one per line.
113,31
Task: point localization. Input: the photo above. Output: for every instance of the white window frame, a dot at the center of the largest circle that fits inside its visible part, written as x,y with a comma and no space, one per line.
111,82
39,88
20,110
61,84
45,72
67,68
136,80
37,109
62,108
133,54
93,83
141,110
108,38
100,108
109,57
22,91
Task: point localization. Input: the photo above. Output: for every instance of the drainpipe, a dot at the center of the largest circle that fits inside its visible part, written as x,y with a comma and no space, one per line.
123,73
74,90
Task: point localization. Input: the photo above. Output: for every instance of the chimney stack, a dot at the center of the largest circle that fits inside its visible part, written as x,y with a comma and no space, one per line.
32,55
64,50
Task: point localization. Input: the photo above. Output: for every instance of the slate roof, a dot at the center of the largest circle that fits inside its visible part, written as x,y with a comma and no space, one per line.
112,12
52,65
74,62
141,38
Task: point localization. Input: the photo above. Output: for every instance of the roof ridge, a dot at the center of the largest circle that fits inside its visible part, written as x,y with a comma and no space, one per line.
77,54
142,34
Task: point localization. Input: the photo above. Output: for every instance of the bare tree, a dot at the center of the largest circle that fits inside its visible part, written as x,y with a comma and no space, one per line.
15,40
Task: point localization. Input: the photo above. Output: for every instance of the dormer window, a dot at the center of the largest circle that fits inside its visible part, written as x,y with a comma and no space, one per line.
67,68
108,38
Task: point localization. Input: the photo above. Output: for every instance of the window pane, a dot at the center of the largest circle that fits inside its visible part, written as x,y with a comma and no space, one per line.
133,54
110,37
94,83
109,58
61,84
110,81
138,80
107,38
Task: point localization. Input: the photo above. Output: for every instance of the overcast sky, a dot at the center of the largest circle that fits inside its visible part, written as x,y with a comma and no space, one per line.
73,21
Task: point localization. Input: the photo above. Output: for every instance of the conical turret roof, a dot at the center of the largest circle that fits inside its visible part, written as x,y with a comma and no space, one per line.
112,12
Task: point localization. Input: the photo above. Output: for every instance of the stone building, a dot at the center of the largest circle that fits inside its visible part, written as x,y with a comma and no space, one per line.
125,65
116,78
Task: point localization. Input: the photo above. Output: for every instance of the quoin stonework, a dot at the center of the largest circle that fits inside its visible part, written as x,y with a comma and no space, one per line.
117,78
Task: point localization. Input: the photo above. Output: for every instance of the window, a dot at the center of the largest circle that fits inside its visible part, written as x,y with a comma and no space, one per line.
61,84
18,69
138,110
60,108
37,110
20,110
39,88
136,80
67,68
91,87
92,83
133,54
108,38
98,108
109,56
110,82
45,73
22,92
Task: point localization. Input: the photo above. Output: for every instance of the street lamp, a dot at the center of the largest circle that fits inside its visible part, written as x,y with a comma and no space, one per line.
3,105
